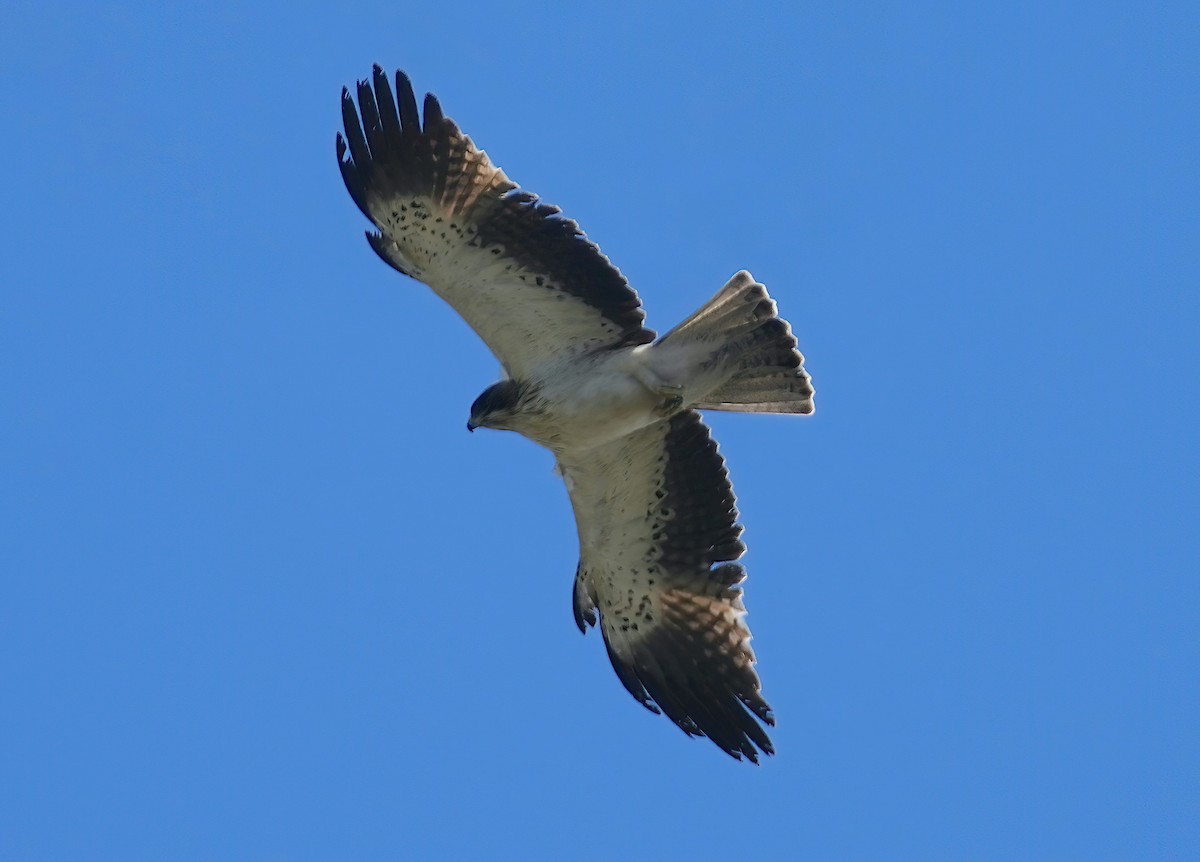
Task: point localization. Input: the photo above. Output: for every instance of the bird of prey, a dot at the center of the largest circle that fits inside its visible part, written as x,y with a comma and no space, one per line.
616,405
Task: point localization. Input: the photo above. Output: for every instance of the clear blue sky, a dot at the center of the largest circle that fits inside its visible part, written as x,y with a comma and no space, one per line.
263,597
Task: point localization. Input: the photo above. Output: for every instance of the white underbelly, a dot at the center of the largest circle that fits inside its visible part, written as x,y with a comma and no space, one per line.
591,406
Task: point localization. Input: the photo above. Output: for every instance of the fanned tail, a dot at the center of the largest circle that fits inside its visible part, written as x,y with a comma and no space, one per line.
752,352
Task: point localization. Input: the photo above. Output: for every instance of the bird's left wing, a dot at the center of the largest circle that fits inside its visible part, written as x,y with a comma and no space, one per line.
658,533
523,277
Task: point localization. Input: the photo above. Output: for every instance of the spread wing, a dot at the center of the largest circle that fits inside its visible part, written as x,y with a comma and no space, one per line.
656,513
525,278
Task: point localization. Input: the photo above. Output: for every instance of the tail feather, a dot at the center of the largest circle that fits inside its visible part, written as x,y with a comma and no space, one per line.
794,396
752,348
738,306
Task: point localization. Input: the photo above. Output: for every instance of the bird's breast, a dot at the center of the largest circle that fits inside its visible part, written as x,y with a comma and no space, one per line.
589,405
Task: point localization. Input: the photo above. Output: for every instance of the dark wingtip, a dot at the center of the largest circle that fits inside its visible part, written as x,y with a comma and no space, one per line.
406,103
433,112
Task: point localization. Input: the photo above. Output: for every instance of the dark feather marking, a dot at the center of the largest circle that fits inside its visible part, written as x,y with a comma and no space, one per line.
703,529
379,244
698,618
369,113
705,713
351,179
410,117
393,156
354,134
433,114
629,679
357,146
444,133
386,104
712,710
734,715
770,376
583,601
694,660
657,684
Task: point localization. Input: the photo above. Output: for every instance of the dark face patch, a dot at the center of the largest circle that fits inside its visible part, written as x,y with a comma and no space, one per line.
499,398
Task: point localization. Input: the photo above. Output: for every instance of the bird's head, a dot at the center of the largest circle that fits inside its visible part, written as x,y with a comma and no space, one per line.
498,405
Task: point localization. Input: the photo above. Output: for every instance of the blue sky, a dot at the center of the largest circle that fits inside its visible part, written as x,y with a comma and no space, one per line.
264,597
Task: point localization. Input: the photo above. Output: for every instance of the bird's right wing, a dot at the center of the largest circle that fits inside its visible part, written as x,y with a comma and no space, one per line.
658,530
523,277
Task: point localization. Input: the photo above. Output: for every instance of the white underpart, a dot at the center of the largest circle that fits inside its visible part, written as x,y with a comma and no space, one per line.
591,399
598,398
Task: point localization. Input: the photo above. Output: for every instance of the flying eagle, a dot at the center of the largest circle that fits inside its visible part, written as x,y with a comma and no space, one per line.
584,377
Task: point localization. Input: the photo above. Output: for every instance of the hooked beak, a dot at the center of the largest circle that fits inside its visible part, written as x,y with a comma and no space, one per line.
471,426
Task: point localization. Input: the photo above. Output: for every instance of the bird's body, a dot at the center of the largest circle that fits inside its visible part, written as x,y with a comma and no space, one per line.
581,401
655,511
